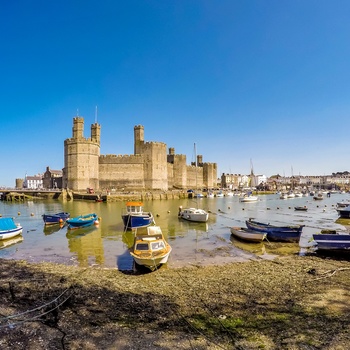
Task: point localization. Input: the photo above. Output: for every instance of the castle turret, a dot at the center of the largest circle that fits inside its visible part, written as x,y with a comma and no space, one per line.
78,127
139,139
96,132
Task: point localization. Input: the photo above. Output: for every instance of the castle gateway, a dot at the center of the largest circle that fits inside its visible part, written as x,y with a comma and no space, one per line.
149,168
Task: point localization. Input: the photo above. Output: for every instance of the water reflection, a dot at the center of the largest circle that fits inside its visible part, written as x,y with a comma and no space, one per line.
11,241
87,245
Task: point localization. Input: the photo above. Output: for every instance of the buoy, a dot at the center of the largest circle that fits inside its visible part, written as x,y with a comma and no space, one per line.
267,208
31,214
157,215
242,208
168,211
19,213
229,207
61,220
277,207
96,222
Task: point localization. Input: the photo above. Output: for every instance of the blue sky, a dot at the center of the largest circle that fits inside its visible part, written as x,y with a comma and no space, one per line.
261,81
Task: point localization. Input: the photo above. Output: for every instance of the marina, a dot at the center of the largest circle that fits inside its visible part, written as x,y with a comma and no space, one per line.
108,244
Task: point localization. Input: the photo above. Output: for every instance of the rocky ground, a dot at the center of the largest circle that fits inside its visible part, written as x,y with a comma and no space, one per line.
291,302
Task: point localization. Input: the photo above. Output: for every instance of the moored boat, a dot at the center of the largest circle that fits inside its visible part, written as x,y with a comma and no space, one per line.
58,218
134,216
288,233
304,208
193,214
247,234
9,229
82,221
150,248
248,197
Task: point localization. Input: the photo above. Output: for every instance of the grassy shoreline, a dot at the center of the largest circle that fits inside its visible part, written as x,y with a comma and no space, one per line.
291,302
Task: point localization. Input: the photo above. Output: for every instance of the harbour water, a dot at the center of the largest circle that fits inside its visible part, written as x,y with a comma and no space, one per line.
107,245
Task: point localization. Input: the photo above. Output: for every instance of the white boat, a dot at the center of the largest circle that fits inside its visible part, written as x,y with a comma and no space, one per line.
150,247
248,197
193,214
283,196
219,194
9,229
229,194
247,234
290,194
210,195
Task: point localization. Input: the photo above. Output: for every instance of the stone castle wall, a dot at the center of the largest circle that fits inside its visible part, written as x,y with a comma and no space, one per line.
149,168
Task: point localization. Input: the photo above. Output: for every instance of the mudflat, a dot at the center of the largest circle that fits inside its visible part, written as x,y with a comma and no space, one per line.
290,302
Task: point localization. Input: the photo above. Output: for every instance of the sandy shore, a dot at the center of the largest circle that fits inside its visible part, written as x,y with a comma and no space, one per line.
290,302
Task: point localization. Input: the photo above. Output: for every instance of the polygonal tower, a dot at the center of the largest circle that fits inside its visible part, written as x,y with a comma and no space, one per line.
81,157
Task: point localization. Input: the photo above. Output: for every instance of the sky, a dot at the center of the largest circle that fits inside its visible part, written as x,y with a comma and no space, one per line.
261,83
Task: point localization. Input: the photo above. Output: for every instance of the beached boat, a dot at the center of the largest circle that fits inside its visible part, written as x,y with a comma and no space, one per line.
82,221
288,233
150,248
9,229
248,235
134,216
344,212
332,241
58,218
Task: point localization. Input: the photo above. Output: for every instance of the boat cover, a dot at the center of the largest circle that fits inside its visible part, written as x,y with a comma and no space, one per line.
7,224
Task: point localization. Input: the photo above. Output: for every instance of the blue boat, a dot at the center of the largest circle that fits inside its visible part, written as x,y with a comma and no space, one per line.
82,221
58,218
277,233
133,216
9,229
332,241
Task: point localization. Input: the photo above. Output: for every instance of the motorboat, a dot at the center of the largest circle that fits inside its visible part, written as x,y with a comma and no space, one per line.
134,216
193,214
344,212
150,248
248,197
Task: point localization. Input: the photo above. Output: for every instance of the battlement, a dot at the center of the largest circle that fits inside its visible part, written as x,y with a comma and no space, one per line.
121,159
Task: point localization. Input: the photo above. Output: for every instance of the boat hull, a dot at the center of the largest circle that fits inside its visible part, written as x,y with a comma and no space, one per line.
248,235
135,221
344,213
11,233
277,233
151,263
332,242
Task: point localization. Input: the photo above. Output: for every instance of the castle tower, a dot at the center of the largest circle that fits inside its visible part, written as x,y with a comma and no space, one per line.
81,158
139,139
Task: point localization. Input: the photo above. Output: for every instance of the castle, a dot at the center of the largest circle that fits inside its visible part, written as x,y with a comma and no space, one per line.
149,168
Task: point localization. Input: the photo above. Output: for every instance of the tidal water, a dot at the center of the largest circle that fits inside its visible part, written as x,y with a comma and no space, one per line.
107,245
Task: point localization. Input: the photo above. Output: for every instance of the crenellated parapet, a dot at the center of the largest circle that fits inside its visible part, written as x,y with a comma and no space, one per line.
121,159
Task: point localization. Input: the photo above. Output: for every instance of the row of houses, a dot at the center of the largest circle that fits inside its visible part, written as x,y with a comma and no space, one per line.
50,179
278,182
